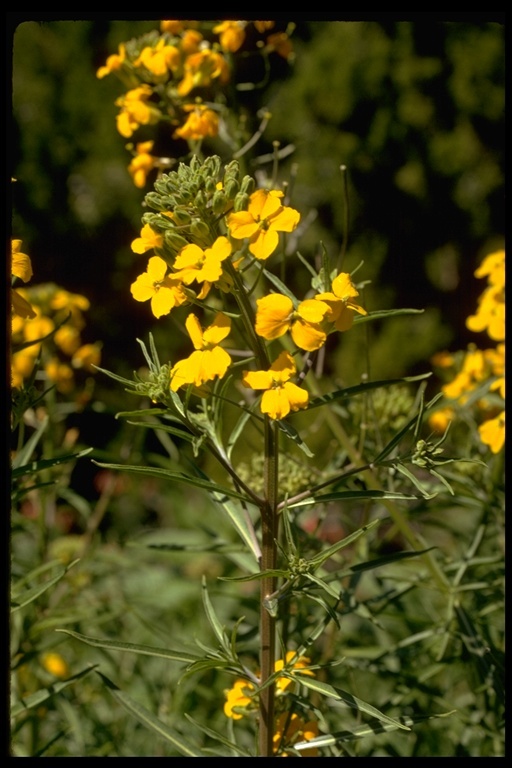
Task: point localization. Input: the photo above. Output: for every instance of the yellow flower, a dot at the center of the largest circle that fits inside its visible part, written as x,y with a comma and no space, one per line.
113,62
209,359
159,60
265,217
490,314
135,110
173,26
231,34
200,123
281,395
281,44
148,239
67,338
341,302
21,265
142,163
164,291
492,432
55,664
237,697
201,68
440,419
61,374
87,356
289,729
275,315
282,683
192,263
20,306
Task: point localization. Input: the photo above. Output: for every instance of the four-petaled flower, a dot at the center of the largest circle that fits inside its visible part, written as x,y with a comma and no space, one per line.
341,302
148,239
281,395
113,62
276,314
201,122
265,217
208,360
192,263
164,291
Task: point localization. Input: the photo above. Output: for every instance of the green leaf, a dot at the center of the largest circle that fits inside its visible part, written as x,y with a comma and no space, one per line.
158,426
38,466
292,433
372,727
25,452
152,722
327,553
20,600
385,314
144,650
37,698
167,474
215,624
219,737
367,494
342,394
281,287
344,697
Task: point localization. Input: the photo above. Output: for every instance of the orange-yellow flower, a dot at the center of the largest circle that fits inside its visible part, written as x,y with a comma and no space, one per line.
237,697
281,395
265,217
490,314
492,432
135,110
201,122
55,664
231,34
142,163
160,59
21,267
209,360
164,291
341,302
276,314
113,62
87,356
192,263
290,729
201,68
282,683
148,239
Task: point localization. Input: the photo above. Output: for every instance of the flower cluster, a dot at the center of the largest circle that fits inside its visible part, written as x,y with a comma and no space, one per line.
175,76
209,228
50,318
290,727
478,375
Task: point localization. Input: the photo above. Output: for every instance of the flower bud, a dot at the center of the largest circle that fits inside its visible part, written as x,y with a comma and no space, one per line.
231,187
200,230
174,241
219,202
248,185
241,202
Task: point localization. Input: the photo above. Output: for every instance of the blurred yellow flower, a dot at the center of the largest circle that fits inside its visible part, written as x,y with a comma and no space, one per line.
135,110
201,68
265,217
281,395
492,432
200,123
55,664
87,356
237,697
113,62
289,729
231,34
160,59
142,163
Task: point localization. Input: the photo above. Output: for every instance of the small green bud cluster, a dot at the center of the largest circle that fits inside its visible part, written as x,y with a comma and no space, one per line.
192,201
294,477
156,386
391,406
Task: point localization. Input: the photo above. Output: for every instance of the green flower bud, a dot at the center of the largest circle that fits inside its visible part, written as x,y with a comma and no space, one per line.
200,230
210,187
200,201
231,188
174,241
241,202
181,217
248,185
219,202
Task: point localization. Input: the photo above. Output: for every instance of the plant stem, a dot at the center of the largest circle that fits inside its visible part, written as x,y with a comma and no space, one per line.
269,521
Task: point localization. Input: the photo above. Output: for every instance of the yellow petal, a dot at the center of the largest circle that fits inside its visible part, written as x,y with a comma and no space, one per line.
194,331
157,268
257,379
241,225
143,288
297,397
218,330
264,243
285,220
273,315
285,365
275,403
221,248
163,301
343,286
308,336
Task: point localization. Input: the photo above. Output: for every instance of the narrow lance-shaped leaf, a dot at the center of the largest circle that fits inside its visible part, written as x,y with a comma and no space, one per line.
152,722
144,650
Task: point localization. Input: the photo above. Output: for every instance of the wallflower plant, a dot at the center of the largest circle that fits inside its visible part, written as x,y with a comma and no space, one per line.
247,379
